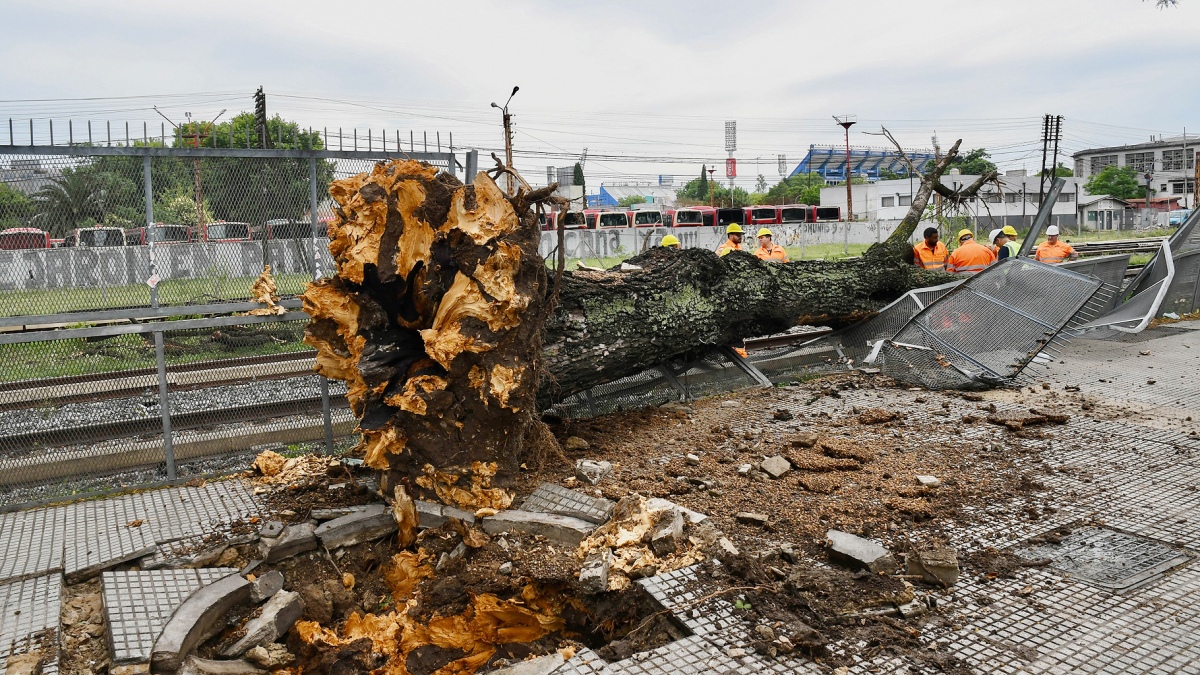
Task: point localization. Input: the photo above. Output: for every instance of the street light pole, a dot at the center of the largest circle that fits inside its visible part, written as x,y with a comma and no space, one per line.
710,186
847,121
508,160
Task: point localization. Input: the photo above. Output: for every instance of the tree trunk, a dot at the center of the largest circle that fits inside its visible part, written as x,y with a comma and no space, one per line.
440,303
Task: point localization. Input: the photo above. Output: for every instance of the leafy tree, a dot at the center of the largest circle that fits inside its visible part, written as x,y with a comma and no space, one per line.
15,207
802,188
179,208
974,163
760,185
577,177
631,200
702,188
1061,171
887,174
68,201
1116,181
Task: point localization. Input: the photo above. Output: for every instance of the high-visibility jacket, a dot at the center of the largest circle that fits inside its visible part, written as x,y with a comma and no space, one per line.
934,259
774,254
1053,253
1013,249
729,246
970,258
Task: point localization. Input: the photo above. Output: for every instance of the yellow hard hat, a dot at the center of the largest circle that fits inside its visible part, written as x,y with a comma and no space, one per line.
734,229
669,240
965,233
764,232
1009,231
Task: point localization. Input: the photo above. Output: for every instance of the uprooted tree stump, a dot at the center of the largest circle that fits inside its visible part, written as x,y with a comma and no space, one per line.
440,304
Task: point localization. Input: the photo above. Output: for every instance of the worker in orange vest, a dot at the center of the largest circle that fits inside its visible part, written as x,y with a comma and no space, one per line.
734,242
1052,251
970,257
931,254
767,250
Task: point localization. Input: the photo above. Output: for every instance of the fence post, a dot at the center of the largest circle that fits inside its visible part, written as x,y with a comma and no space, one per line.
312,209
160,357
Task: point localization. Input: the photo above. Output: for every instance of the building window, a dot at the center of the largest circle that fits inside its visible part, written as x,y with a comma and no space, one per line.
1180,188
1066,196
1140,161
905,200
887,201
1177,188
992,198
1011,197
1032,197
1092,216
1191,158
1101,161
1172,160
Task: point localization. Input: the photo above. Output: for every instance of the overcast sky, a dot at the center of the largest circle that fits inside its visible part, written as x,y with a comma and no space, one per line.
645,86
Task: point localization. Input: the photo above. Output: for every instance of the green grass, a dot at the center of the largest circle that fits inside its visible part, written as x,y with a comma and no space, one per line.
1108,235
170,292
811,252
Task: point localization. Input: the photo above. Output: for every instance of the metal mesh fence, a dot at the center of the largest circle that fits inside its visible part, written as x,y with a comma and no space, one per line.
989,328
1183,296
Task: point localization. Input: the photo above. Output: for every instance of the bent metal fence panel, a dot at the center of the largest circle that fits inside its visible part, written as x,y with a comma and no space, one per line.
987,330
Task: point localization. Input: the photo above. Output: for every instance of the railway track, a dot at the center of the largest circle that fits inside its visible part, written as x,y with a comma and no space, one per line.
101,386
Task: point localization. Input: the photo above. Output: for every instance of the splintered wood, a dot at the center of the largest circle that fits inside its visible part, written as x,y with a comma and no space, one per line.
433,318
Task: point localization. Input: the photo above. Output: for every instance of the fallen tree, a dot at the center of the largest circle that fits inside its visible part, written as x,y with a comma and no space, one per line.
443,320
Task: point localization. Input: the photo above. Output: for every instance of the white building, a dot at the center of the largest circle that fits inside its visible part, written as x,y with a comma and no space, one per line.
1170,162
1014,203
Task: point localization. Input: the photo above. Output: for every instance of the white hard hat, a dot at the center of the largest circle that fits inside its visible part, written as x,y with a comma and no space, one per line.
1052,230
994,233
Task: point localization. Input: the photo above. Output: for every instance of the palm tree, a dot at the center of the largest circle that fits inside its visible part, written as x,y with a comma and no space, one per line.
68,200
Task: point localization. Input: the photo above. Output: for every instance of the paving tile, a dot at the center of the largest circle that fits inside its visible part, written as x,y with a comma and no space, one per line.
99,535
552,498
678,592
29,615
137,604
31,542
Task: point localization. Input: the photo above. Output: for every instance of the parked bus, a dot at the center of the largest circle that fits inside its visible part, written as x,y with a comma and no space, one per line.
223,231
284,228
729,216
696,216
92,237
824,214
158,233
647,218
23,239
56,243
756,216
548,221
572,220
607,220
796,213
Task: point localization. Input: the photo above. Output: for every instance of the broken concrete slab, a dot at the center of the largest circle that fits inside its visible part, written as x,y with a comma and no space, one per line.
296,539
266,586
271,528
937,566
857,553
372,522
929,481
667,534
559,529
196,620
198,666
431,515
277,617
593,576
776,467
749,518
562,501
543,665
273,655
334,512
592,471
690,517
805,439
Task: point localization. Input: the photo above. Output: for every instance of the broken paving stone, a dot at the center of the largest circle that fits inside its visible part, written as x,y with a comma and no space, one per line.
937,566
749,518
198,666
563,501
592,471
432,516
296,539
505,568
196,620
911,609
266,586
576,444
775,467
857,553
372,522
270,656
745,469
335,512
929,481
559,529
667,534
593,576
805,439
277,617
691,517
693,460
271,529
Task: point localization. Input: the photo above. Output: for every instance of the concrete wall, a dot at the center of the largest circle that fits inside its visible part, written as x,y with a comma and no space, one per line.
130,265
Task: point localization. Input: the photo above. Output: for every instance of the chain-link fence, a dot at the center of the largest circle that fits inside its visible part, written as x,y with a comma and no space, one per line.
126,354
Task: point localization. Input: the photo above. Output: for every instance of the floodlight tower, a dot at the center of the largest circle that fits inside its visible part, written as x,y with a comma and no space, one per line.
847,121
730,147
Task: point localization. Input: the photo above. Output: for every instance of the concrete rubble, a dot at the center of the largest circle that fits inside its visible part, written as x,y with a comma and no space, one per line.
277,617
559,529
296,539
776,466
592,471
855,552
667,534
370,523
593,576
936,565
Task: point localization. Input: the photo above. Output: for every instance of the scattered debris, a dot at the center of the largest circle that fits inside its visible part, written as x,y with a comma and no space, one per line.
937,565
929,481
576,444
591,471
858,553
776,466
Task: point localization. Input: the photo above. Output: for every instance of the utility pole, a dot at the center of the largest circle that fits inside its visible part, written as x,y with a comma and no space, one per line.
196,137
508,138
847,121
937,199
1051,133
260,120
710,186
730,148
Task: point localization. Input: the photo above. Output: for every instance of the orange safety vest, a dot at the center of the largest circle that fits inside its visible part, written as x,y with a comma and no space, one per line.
729,246
931,260
970,258
774,254
1053,254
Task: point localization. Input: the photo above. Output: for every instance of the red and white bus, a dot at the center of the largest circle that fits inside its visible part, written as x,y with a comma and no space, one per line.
225,231
93,237
795,213
284,228
606,220
696,216
825,214
158,233
756,216
571,220
647,218
23,239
